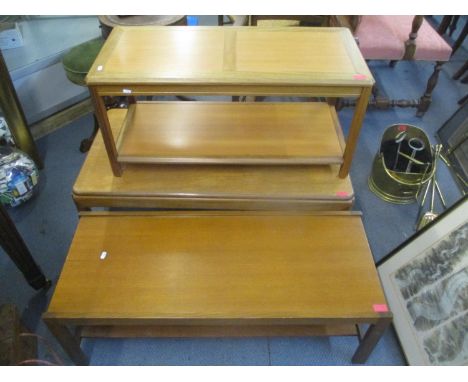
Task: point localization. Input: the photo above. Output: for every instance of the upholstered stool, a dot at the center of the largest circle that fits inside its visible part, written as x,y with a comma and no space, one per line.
77,63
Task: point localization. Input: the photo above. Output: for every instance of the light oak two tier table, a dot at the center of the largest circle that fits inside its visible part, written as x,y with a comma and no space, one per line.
246,61
221,273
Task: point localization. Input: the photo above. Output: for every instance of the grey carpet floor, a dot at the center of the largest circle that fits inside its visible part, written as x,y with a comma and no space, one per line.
48,222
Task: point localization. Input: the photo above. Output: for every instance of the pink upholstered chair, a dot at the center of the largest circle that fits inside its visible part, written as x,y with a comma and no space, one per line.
398,38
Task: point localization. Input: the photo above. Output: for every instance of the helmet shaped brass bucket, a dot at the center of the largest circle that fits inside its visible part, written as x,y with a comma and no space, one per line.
394,177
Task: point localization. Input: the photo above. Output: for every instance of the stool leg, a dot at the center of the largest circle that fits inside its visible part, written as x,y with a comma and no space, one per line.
426,99
86,143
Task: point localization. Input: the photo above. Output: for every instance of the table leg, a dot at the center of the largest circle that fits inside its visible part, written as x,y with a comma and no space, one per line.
69,342
14,246
370,340
107,136
354,130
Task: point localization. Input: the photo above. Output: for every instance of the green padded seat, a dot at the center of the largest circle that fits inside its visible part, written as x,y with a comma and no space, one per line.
79,60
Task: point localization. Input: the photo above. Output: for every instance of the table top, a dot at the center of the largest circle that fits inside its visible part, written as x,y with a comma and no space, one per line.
303,56
200,181
177,267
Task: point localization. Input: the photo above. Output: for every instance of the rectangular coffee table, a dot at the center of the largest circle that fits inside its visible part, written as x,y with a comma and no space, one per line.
235,61
184,274
229,187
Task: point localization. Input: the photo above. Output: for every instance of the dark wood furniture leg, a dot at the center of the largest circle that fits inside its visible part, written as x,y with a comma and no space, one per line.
16,249
370,340
444,24
460,39
462,100
460,72
86,143
69,342
453,24
426,99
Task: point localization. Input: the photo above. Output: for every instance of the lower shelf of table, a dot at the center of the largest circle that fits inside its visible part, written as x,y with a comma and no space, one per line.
297,133
175,331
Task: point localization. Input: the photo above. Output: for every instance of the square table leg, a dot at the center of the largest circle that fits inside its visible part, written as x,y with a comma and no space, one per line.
100,112
370,340
354,130
69,342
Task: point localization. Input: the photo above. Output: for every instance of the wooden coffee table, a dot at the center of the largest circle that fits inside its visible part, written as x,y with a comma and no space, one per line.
207,186
138,62
184,274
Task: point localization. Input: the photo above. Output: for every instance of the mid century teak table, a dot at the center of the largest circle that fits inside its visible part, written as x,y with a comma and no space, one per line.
309,62
179,274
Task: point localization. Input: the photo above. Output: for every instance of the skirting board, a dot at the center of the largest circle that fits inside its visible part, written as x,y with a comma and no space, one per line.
61,119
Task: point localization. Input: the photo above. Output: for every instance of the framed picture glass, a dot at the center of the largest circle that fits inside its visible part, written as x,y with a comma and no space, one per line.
426,284
454,136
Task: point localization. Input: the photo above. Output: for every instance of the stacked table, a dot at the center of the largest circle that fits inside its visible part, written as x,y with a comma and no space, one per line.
300,267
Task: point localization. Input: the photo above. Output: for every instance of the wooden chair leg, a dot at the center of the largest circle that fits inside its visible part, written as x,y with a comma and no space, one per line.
453,25
460,39
444,24
460,72
426,99
462,100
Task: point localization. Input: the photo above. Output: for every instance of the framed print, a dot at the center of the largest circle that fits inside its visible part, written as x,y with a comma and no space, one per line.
425,281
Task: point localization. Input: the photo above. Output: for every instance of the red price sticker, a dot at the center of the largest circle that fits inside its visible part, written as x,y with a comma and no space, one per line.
380,308
359,76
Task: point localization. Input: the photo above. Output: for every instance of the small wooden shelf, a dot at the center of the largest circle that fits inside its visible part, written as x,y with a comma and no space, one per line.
230,133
